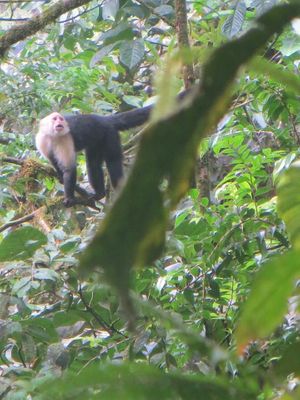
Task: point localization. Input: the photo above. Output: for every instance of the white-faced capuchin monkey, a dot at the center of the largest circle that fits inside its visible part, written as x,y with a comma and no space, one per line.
60,137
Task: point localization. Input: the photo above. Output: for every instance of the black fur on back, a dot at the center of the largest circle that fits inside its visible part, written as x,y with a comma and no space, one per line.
91,130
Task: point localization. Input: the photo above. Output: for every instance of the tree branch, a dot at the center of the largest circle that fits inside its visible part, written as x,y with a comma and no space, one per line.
86,197
30,27
19,221
183,40
13,160
109,328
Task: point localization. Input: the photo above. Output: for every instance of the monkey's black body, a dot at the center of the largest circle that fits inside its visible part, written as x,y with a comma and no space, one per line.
86,128
59,138
99,137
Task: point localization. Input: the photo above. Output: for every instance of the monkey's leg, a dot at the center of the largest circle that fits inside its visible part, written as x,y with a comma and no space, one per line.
69,179
94,161
114,157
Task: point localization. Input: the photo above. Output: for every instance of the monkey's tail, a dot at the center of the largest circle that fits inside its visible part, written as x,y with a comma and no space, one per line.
129,119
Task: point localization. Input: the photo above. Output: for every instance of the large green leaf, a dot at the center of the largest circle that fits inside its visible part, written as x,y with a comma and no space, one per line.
290,80
129,381
122,31
21,244
268,299
234,22
263,5
132,53
104,51
274,284
164,10
290,361
289,202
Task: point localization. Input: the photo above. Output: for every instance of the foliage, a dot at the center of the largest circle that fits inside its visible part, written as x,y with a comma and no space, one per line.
144,243
62,337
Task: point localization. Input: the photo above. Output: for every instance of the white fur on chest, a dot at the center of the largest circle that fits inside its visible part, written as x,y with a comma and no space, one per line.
61,147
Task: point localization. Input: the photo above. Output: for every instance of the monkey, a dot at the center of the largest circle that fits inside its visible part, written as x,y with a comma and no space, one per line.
60,137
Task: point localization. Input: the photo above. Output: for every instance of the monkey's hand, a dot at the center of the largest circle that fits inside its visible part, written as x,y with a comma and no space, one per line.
69,201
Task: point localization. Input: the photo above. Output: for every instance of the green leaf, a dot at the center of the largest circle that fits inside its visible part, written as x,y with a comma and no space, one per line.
132,53
21,244
46,274
122,31
129,381
268,299
23,286
10,329
290,46
138,10
164,10
104,51
263,5
132,101
63,319
234,22
28,347
191,228
290,361
110,9
282,165
290,80
42,329
289,202
69,244
189,295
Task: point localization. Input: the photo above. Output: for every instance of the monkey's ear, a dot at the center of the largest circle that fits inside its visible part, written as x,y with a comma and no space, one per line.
45,125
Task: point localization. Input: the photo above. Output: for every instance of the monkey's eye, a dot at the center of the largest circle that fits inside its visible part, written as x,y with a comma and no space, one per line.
58,118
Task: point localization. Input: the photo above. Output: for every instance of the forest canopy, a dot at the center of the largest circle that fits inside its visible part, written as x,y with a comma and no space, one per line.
182,283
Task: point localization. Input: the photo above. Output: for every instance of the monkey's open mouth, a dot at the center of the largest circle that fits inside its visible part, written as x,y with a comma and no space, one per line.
59,127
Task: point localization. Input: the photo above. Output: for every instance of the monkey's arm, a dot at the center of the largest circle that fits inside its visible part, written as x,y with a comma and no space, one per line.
56,166
67,176
69,180
81,191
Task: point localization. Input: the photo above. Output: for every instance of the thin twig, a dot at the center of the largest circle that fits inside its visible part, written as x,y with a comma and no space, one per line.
109,328
19,221
4,141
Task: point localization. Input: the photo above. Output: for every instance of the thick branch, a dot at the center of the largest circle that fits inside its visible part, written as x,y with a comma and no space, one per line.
183,39
13,160
30,27
4,140
86,197
19,221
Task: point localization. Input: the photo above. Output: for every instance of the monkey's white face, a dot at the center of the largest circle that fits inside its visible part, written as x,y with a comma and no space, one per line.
54,125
